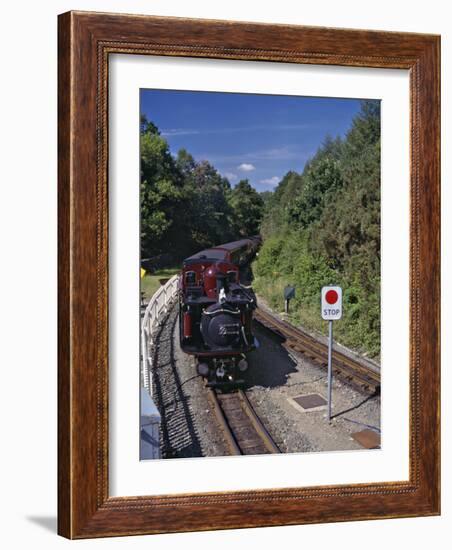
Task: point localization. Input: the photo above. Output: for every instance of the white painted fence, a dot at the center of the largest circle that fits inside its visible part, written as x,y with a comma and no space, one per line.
150,417
158,306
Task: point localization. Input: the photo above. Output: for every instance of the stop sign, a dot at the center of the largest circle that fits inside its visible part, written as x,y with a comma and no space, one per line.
331,296
331,306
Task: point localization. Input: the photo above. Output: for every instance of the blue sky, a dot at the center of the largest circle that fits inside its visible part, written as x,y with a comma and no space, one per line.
258,137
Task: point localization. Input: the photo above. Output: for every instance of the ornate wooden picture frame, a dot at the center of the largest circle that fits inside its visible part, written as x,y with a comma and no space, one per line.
86,40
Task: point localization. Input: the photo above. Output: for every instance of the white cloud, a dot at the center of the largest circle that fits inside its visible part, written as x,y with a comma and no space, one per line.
231,176
169,132
288,152
271,181
245,167
179,132
259,128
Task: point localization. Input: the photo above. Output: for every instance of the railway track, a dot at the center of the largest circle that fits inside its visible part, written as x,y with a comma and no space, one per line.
244,432
347,369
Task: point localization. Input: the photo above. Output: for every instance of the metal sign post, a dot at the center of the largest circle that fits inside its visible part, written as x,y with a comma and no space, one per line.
331,310
330,366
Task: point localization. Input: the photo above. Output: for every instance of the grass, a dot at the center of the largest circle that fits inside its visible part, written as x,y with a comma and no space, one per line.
306,314
299,313
150,282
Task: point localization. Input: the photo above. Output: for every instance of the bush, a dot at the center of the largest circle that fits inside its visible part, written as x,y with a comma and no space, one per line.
322,228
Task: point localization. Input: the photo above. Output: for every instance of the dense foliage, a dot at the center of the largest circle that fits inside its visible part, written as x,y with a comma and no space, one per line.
187,205
319,227
323,227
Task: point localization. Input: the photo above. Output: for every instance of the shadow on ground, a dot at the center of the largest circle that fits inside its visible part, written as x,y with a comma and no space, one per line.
355,406
269,365
178,434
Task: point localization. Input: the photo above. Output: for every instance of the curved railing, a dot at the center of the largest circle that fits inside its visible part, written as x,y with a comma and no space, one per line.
158,305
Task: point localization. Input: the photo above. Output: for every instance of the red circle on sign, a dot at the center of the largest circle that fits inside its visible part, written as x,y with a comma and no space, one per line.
331,296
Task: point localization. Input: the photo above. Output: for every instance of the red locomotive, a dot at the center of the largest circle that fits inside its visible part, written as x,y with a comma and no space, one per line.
216,310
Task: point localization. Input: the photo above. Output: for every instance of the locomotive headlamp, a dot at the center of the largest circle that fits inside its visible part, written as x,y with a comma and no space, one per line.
243,365
203,369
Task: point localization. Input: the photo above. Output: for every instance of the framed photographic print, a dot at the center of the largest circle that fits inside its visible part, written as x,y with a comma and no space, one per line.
248,275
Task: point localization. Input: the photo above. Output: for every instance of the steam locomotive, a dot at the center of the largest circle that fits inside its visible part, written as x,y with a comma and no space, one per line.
216,310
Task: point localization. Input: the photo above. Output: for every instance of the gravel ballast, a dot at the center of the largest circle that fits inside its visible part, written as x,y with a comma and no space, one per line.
189,427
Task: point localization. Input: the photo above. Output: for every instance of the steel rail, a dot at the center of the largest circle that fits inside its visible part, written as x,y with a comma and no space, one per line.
364,378
243,430
221,418
267,440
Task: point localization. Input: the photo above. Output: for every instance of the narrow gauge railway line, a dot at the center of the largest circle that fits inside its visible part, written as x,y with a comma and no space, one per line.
349,370
244,432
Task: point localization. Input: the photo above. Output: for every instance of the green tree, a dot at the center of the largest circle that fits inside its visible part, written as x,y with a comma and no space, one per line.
162,195
185,163
323,226
321,180
209,210
276,214
247,205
